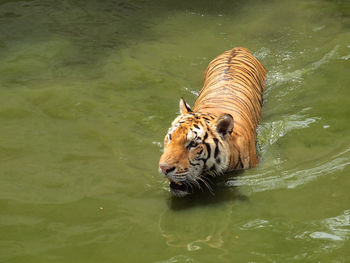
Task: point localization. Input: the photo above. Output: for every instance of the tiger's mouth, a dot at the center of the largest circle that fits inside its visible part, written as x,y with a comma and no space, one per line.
187,185
179,189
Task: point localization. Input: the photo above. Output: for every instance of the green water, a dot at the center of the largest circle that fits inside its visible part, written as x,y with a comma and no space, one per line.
88,90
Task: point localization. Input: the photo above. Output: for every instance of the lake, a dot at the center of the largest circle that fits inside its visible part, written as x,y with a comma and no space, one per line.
88,90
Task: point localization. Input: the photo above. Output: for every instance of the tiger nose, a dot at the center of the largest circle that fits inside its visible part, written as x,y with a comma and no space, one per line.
166,168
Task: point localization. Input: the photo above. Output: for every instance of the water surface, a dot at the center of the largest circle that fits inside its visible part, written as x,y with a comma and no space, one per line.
88,90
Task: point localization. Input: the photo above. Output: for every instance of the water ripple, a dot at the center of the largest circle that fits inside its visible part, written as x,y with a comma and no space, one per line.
268,180
324,235
339,225
332,232
255,224
276,77
178,258
268,133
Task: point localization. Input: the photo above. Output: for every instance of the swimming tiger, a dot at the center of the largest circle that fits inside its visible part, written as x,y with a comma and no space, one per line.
218,134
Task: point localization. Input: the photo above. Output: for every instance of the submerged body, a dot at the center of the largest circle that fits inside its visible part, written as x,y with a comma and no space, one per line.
218,135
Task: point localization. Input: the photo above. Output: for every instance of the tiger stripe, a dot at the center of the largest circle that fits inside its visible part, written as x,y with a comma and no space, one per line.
233,84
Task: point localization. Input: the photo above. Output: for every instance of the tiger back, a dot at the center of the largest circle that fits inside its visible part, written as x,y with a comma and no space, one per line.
218,135
234,84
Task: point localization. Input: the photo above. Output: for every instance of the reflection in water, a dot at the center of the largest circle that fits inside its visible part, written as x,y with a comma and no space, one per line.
191,221
204,196
192,229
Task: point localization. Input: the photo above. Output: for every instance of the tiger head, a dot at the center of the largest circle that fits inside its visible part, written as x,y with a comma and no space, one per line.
195,146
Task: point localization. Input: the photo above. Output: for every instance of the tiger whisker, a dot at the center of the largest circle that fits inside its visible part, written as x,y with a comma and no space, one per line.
203,179
188,184
207,179
195,181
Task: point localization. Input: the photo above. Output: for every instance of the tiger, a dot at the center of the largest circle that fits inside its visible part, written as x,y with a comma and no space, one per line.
219,134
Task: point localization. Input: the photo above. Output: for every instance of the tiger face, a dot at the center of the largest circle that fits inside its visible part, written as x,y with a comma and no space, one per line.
194,148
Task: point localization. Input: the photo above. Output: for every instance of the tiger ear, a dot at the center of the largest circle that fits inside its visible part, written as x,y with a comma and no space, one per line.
224,124
184,107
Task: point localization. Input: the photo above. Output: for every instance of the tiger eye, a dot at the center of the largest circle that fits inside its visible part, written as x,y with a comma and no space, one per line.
193,144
